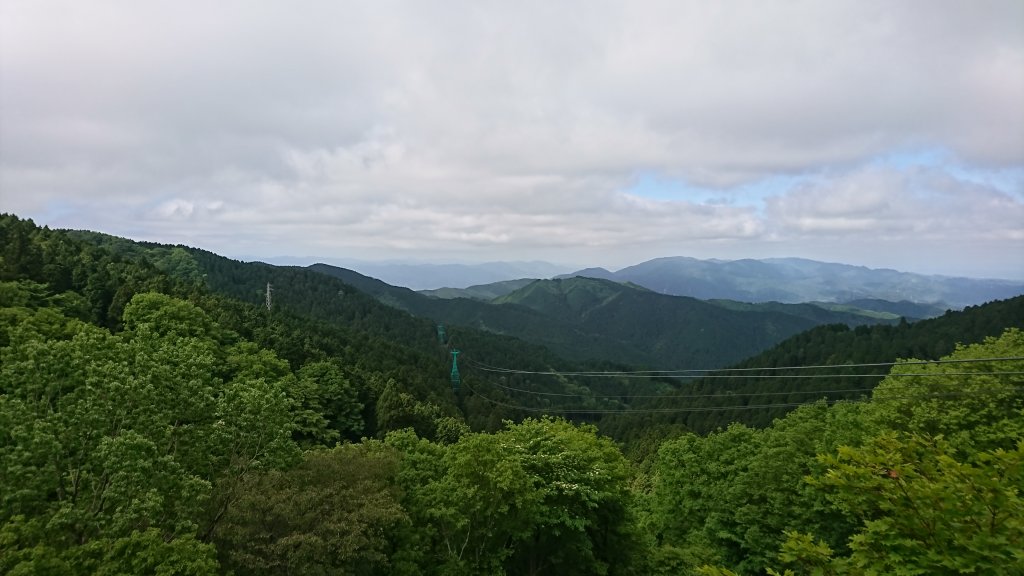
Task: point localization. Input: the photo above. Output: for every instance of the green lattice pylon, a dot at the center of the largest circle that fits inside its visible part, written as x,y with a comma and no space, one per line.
456,379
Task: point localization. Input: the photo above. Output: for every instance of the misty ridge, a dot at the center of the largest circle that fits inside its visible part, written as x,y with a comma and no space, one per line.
785,280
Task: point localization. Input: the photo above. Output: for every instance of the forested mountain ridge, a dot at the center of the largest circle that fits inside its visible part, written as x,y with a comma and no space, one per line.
863,306
793,280
316,317
424,276
485,292
313,317
151,425
588,320
764,382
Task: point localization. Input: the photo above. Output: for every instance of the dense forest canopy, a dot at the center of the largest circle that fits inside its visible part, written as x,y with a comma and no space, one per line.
157,417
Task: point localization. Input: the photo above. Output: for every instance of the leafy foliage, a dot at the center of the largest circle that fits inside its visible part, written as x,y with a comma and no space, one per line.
537,497
335,513
110,436
927,485
924,511
151,422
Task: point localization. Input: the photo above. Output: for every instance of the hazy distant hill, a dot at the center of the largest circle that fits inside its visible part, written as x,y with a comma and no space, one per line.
484,292
434,276
673,330
792,280
584,319
902,308
822,346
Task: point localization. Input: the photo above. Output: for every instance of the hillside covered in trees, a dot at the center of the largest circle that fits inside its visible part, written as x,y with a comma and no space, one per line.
587,319
156,417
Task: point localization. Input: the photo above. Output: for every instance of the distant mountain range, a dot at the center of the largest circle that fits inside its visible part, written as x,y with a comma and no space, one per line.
789,280
800,280
423,276
587,318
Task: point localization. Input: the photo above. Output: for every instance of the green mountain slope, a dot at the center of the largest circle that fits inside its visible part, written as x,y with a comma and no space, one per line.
586,319
704,404
483,292
313,317
795,280
673,331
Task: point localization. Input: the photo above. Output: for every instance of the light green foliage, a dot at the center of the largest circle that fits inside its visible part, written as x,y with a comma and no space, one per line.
397,410
106,437
335,513
140,552
146,552
937,490
924,511
728,497
179,263
810,556
540,496
696,494
717,571
924,479
168,316
543,496
970,404
420,477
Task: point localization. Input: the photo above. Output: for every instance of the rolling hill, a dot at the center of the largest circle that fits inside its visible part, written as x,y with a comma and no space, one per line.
590,319
793,280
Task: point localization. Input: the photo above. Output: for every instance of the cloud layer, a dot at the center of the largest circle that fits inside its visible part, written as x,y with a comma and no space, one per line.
490,130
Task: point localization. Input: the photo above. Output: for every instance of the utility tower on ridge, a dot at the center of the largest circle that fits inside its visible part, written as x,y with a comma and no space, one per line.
269,289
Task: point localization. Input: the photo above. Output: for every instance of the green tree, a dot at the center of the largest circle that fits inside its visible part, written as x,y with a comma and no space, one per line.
335,513
924,511
540,496
326,404
107,437
975,405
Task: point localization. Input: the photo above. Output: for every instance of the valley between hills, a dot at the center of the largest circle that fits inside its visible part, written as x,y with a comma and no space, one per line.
164,409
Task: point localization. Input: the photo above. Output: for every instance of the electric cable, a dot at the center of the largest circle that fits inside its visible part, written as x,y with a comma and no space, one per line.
742,394
704,372
731,407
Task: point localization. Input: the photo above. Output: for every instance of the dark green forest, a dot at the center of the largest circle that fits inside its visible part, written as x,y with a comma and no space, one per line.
156,417
585,319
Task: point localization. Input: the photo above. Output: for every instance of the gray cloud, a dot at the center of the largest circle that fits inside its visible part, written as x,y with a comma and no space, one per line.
492,130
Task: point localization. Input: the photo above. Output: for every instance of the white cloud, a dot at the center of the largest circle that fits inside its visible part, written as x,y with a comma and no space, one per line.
513,128
919,206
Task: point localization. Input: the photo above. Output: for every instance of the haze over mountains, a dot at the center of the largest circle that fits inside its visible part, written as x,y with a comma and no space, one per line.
592,318
428,276
786,280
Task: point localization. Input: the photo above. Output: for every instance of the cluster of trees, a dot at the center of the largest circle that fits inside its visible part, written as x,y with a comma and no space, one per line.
926,478
175,446
151,425
827,346
121,452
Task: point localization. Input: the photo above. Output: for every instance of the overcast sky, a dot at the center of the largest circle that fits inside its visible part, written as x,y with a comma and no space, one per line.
886,134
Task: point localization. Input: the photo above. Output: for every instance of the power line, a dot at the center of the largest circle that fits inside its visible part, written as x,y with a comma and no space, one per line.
731,407
742,394
711,372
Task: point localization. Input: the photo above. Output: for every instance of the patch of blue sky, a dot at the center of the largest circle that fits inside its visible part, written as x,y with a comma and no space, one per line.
1009,180
57,211
658,186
